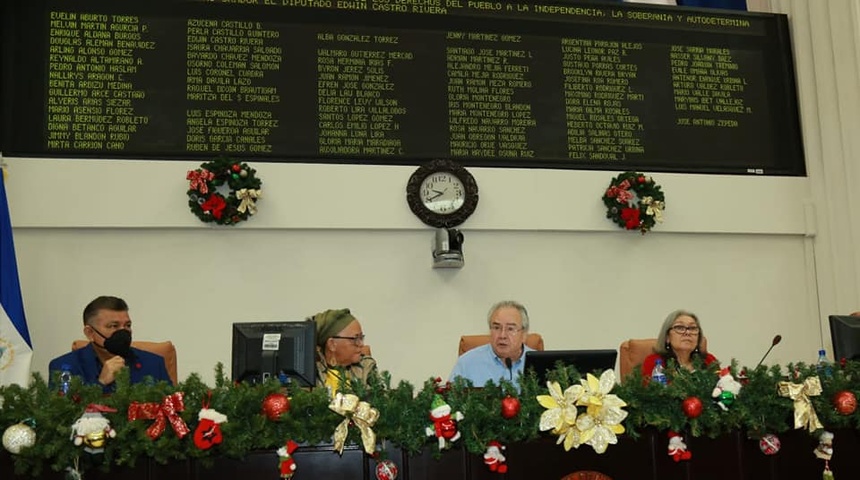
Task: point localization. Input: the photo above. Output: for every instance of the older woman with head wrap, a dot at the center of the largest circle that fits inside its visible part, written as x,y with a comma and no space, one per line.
339,350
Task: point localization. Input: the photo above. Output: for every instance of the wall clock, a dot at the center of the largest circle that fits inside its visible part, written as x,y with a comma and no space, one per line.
442,194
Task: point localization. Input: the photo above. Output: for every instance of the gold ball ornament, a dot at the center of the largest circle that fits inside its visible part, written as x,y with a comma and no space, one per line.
17,437
95,439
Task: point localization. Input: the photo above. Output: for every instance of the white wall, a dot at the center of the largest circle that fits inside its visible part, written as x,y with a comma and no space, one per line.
539,236
754,256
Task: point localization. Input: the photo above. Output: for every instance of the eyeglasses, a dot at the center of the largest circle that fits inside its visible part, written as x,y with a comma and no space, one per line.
358,340
509,329
682,329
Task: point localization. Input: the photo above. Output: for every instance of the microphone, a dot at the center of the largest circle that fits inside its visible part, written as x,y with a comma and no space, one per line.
774,343
510,365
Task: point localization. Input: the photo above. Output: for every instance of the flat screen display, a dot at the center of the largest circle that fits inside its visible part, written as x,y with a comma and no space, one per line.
585,361
280,350
585,85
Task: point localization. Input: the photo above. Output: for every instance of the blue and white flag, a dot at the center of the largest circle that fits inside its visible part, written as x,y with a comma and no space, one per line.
16,349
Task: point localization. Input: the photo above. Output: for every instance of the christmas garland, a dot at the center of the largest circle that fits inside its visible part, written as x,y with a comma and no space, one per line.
634,202
157,421
208,199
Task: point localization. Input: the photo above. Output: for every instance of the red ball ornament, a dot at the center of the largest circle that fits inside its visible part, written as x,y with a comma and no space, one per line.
510,407
236,167
275,405
845,402
769,444
386,470
692,407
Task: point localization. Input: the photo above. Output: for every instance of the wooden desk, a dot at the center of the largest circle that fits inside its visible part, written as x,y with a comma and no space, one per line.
728,457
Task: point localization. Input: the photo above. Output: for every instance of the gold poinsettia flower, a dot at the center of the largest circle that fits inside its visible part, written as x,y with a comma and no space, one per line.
602,419
561,412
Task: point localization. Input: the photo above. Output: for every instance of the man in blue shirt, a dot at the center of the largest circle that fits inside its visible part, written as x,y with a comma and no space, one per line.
504,357
107,325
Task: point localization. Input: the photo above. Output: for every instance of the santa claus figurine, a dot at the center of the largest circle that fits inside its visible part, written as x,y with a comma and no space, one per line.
287,464
493,458
92,429
444,422
677,447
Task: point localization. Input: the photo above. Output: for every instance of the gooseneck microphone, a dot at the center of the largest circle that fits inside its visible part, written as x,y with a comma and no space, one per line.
510,365
776,341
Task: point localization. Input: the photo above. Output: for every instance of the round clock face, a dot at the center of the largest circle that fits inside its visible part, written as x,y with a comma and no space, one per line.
442,192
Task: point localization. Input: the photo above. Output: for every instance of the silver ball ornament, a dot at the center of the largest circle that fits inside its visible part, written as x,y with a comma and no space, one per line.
17,437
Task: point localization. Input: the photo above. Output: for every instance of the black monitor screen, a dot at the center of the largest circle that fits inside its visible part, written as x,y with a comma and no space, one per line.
585,361
283,350
845,334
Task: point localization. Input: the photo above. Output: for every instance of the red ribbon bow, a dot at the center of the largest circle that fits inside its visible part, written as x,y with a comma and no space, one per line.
214,204
199,178
162,412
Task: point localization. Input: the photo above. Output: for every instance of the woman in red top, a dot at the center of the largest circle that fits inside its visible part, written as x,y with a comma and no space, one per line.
680,338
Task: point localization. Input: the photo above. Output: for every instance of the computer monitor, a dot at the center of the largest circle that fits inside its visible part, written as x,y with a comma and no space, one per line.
845,335
585,361
282,350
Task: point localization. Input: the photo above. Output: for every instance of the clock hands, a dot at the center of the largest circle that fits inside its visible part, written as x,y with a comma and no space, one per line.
438,194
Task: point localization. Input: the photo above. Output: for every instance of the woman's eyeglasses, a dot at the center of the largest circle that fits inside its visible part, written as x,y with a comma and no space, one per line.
682,329
358,340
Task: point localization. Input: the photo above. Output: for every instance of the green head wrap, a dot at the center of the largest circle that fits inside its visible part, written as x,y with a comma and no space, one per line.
330,323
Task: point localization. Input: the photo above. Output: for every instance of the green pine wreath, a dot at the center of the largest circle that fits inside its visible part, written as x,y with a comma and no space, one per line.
213,204
634,201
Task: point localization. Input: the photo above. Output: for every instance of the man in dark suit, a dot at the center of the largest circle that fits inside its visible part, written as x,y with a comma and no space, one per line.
107,325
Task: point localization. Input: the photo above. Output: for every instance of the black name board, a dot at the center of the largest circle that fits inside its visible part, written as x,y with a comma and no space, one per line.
597,85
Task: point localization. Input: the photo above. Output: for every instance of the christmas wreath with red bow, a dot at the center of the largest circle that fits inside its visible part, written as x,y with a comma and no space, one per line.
223,191
634,201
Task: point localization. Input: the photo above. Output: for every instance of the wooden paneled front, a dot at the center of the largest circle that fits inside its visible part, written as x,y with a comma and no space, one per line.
732,456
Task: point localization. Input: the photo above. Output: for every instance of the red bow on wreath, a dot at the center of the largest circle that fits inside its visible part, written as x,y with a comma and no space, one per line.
214,204
162,412
199,178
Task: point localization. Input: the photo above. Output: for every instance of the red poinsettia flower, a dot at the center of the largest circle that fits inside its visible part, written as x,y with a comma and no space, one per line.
214,204
630,217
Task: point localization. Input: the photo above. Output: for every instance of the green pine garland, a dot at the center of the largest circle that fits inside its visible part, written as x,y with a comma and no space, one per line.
404,413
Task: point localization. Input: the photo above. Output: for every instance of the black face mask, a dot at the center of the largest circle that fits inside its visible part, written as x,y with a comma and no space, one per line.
119,343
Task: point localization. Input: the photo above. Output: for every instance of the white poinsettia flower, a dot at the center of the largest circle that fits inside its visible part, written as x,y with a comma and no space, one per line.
561,413
602,420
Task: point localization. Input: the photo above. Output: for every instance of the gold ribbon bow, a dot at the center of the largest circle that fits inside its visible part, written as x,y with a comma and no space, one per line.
359,413
247,197
804,413
655,208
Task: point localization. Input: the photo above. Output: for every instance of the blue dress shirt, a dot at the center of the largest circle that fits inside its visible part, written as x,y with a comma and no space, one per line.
481,365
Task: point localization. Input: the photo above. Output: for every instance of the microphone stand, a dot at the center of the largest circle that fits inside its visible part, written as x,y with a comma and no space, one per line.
774,343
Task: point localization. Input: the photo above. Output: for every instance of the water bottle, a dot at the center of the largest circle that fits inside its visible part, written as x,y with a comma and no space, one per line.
65,379
657,374
823,364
